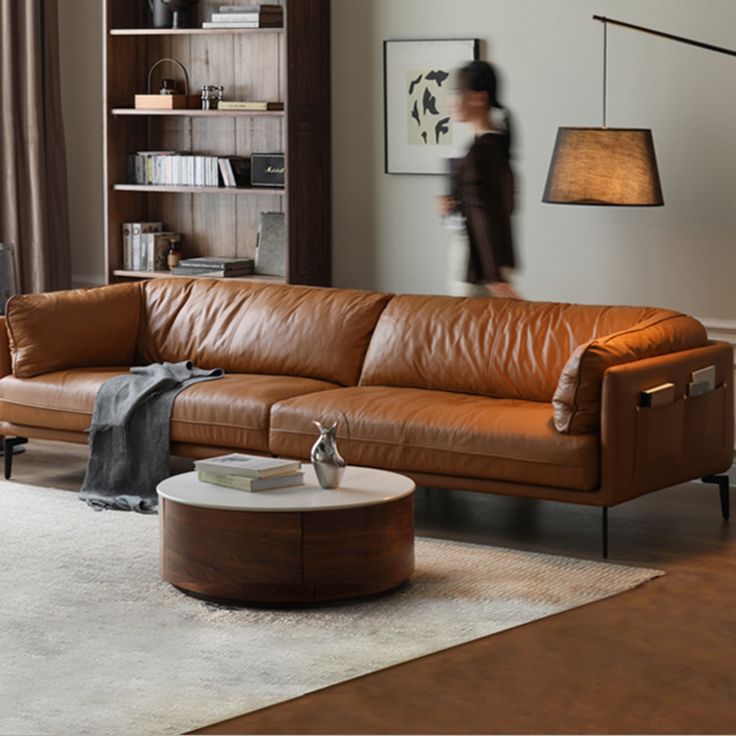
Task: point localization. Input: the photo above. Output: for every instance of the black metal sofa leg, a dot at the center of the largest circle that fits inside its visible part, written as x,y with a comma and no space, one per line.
8,446
723,483
604,533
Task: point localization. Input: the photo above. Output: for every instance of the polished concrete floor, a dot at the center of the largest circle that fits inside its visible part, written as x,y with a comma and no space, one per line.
658,659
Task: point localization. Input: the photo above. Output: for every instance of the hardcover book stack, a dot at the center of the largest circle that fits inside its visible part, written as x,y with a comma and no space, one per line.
247,16
249,472
214,267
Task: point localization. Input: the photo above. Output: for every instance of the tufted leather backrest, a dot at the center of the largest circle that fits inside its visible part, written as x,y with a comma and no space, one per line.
259,327
515,349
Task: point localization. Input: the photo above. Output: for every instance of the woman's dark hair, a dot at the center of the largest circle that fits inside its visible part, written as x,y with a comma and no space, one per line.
480,76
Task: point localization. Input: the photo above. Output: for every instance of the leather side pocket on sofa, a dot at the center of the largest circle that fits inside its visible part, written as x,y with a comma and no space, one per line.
705,423
659,437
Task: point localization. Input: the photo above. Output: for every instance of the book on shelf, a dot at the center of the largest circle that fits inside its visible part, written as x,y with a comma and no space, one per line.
155,250
132,234
250,17
249,466
235,170
260,7
247,16
222,267
251,105
170,168
243,483
262,23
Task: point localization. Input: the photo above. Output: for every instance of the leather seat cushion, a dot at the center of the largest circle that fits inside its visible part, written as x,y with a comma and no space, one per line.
230,412
443,433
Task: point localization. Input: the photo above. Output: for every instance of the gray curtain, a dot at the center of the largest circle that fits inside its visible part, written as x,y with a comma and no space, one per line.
33,193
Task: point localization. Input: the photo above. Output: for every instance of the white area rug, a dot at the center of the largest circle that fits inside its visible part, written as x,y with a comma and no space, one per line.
92,641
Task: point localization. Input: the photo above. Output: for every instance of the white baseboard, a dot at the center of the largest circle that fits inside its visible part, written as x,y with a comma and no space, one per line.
724,330
87,279
721,329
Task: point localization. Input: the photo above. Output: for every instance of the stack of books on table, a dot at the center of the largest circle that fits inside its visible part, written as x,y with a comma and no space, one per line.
214,267
250,472
247,16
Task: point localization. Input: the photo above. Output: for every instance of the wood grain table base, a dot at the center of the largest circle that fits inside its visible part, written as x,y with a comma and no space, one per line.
287,557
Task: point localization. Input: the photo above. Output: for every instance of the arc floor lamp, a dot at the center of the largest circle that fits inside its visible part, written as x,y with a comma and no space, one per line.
615,167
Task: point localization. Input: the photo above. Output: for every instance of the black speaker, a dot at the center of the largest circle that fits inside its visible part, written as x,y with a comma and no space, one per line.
267,169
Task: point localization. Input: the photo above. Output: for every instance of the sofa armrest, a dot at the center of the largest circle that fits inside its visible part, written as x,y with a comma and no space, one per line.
5,362
647,448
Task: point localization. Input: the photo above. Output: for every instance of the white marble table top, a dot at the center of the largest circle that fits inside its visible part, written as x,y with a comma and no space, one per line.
359,487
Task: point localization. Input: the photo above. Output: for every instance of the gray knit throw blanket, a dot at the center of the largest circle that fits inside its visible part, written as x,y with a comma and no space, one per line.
129,436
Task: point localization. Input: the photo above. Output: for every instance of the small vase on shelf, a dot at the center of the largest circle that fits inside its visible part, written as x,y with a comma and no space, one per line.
174,255
180,12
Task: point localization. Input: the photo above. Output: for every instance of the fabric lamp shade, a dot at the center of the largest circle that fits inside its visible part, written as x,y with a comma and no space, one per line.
604,166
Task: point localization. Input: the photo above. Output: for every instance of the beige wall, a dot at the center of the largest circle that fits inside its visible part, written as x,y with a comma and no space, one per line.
80,31
682,255
385,233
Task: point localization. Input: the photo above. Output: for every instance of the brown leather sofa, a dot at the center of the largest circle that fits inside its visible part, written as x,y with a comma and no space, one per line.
518,398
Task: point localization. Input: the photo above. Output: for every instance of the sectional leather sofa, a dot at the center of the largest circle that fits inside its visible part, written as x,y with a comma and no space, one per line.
518,398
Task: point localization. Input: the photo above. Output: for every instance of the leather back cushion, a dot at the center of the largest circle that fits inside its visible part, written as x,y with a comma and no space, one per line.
73,329
577,399
259,328
515,349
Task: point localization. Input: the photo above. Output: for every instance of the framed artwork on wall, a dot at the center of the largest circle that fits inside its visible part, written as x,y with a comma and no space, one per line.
417,87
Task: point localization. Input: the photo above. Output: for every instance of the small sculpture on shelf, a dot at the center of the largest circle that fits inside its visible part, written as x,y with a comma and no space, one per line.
168,87
174,255
180,11
212,95
161,15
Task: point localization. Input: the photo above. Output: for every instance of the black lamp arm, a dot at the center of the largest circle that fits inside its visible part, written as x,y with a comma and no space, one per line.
670,36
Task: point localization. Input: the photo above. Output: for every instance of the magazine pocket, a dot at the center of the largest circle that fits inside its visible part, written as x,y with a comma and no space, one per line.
659,437
705,428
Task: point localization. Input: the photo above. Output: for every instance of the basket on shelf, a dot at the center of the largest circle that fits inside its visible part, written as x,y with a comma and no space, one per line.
165,100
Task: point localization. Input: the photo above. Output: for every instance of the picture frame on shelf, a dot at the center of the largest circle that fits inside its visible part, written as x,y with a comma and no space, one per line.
271,246
418,80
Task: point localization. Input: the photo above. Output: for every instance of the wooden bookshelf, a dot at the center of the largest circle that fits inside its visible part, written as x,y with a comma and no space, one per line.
290,65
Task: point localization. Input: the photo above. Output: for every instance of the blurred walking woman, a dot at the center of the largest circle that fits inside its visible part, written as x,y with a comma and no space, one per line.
479,210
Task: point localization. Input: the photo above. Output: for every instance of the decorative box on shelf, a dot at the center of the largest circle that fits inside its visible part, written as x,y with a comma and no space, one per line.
169,98
167,102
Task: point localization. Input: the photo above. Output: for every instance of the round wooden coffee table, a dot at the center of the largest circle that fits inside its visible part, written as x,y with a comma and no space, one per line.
288,545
